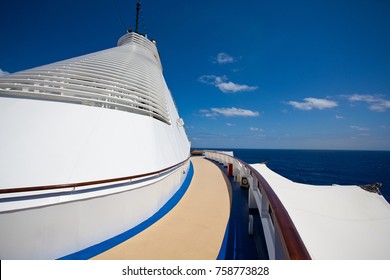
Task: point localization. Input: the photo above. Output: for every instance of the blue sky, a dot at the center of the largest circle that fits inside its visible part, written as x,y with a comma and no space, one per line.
244,74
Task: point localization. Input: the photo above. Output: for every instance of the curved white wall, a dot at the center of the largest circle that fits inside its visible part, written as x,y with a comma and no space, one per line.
54,231
100,116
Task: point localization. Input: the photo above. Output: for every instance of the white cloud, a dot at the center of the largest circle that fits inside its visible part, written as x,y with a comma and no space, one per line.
313,103
228,112
224,85
210,79
376,103
229,124
232,87
235,112
339,117
207,113
255,129
355,127
361,97
224,58
3,73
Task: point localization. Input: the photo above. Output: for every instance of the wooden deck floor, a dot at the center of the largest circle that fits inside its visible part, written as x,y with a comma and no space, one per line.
193,229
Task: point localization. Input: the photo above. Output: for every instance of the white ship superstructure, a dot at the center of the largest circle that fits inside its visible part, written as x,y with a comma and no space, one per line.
124,96
89,147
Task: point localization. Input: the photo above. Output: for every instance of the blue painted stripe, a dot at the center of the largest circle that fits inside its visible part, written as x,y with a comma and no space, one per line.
222,251
114,241
235,240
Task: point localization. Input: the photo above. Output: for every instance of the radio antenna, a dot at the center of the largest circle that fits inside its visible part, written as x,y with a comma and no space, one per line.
137,15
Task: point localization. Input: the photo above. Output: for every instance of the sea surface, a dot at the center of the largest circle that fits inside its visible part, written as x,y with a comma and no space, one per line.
324,167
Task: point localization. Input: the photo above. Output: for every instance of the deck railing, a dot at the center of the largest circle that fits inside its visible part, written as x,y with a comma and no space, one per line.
90,183
282,238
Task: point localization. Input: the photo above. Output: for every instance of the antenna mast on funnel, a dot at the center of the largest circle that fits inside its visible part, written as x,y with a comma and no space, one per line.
137,16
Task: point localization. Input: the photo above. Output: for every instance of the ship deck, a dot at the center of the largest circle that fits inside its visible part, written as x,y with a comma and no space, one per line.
194,229
211,220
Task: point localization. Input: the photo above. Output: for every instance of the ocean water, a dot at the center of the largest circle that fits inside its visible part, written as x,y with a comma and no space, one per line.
322,167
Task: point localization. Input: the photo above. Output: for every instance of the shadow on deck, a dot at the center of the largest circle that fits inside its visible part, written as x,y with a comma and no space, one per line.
241,245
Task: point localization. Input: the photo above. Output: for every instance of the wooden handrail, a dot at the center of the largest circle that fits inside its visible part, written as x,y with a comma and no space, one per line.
88,183
292,243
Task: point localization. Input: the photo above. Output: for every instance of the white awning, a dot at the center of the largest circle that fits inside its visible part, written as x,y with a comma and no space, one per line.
335,222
